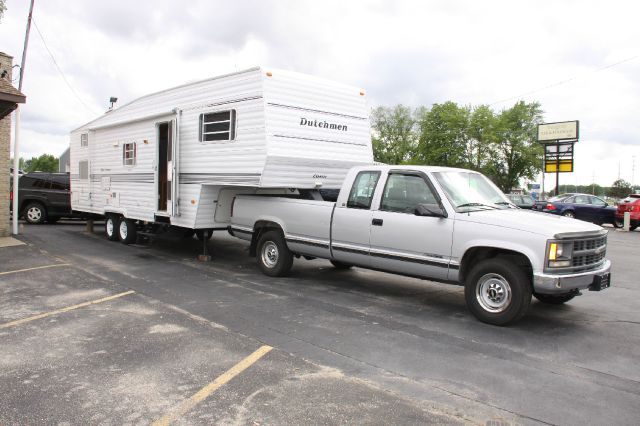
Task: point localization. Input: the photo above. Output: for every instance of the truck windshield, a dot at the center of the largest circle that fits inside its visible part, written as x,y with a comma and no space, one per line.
469,191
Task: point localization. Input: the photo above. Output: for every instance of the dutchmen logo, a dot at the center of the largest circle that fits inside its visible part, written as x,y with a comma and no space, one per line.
322,124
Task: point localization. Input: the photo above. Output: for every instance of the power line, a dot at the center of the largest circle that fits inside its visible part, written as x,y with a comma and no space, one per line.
60,70
559,83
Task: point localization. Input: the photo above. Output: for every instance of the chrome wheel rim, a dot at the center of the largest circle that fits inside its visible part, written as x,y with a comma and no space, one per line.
109,227
493,293
123,230
270,254
34,214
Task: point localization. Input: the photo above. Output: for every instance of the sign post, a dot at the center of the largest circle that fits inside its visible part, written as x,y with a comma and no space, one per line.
558,140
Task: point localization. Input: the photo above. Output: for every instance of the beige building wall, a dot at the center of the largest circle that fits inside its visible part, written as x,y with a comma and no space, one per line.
5,142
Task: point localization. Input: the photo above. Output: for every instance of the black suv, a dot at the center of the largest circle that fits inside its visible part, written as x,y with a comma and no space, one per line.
44,197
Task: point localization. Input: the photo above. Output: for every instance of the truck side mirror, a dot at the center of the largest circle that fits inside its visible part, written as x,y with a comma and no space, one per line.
432,210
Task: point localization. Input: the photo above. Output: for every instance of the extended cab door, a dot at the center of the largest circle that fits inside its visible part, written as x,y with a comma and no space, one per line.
403,242
352,220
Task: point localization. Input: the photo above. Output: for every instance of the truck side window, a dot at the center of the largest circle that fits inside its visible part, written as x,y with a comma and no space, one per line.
362,190
403,192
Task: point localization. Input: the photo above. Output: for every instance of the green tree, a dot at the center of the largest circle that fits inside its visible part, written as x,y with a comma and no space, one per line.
515,153
394,139
43,163
482,133
444,135
620,189
3,7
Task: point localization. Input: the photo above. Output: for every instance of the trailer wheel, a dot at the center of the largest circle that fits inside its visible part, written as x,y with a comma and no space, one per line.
497,291
127,231
274,257
111,225
340,265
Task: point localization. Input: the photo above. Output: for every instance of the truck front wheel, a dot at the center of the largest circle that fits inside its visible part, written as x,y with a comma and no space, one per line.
274,257
497,291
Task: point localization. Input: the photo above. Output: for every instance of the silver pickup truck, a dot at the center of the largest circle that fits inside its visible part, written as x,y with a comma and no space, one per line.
442,224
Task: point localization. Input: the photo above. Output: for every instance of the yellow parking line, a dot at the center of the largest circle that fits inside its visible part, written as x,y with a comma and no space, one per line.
203,393
57,265
62,310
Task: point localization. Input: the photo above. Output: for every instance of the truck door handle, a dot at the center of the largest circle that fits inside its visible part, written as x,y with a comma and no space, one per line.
376,222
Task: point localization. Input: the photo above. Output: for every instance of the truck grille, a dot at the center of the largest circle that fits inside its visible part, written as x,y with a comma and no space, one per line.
588,253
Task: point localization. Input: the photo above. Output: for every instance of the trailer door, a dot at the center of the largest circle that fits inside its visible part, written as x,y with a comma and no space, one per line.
165,171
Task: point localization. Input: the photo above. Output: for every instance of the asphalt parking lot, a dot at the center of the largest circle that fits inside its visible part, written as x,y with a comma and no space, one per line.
96,332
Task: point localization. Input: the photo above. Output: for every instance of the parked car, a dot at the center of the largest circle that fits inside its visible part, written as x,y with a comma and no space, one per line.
522,201
44,197
630,204
579,206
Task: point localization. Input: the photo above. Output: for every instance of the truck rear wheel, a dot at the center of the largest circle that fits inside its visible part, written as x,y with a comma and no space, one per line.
111,225
497,291
274,257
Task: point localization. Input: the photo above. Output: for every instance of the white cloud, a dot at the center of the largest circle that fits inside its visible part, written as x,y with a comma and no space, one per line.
410,52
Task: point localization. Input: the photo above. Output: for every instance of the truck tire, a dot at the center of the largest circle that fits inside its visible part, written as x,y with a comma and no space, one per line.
201,232
554,299
497,291
111,227
127,231
340,265
35,213
274,257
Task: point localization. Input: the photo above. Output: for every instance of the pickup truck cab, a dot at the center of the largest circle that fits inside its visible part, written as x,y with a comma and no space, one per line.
442,224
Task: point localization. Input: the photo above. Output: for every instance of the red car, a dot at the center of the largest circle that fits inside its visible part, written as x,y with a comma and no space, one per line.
630,204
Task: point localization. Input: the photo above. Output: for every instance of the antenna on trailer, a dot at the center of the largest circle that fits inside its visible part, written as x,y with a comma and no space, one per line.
113,101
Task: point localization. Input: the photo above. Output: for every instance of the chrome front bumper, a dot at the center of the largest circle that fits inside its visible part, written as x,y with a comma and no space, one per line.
557,283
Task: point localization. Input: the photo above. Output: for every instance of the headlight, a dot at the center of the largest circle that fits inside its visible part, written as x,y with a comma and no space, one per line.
559,254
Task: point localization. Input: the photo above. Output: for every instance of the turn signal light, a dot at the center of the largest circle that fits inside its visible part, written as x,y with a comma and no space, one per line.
553,251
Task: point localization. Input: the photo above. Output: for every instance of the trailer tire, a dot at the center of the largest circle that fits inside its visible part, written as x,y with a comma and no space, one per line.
111,227
274,257
497,291
554,299
127,231
340,265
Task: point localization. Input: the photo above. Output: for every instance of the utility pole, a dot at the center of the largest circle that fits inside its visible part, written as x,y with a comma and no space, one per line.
16,142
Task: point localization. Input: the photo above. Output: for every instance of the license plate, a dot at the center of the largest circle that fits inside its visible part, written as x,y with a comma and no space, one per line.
601,282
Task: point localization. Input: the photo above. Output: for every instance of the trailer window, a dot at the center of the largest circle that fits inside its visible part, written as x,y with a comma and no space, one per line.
218,126
362,190
84,140
83,169
129,154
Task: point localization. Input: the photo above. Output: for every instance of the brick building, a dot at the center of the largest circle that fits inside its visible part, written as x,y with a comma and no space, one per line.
10,97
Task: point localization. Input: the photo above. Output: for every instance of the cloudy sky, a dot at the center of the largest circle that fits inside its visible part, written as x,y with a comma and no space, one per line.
579,59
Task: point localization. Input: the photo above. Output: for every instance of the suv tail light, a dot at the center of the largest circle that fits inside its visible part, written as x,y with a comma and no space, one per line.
550,207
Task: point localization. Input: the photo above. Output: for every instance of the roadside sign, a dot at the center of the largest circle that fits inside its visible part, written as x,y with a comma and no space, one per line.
560,166
554,132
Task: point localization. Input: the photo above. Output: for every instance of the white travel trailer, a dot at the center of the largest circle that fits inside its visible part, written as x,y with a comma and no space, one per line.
179,156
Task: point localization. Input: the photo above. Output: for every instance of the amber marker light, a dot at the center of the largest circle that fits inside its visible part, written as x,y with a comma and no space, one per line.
553,251
269,74
362,93
193,201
